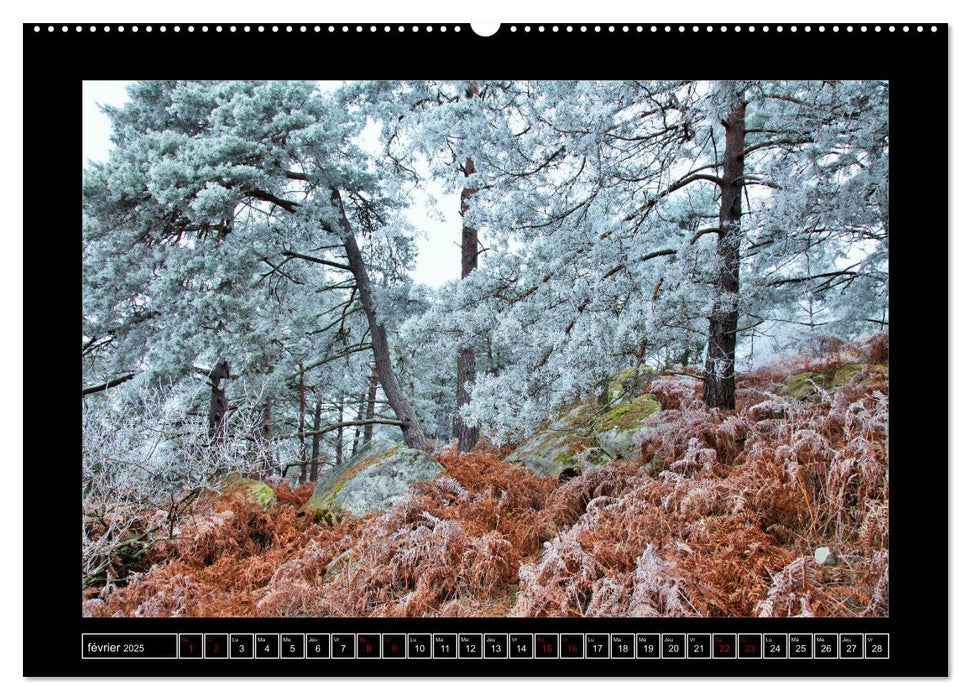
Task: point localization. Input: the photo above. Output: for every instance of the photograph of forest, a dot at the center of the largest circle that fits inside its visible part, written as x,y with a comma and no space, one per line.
487,348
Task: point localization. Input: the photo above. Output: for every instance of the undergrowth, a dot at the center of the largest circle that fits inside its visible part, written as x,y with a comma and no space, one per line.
719,516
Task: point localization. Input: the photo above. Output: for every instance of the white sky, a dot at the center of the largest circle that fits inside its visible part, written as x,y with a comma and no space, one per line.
439,253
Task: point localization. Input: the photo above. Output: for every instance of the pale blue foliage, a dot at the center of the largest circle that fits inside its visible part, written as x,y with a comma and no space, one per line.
594,200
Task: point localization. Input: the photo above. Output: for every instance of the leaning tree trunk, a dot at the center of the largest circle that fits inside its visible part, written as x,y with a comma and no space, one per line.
218,402
403,410
719,389
467,435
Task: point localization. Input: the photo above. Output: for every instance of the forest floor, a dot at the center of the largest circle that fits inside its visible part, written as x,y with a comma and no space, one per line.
719,516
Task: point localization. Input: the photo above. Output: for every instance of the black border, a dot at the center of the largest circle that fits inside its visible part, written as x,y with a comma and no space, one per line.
915,62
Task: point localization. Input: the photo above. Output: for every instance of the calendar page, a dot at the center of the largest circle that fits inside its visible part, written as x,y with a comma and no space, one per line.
557,349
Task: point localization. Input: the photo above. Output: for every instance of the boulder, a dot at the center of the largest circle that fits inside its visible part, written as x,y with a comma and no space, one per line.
251,490
560,443
806,385
803,385
617,428
627,383
370,481
593,430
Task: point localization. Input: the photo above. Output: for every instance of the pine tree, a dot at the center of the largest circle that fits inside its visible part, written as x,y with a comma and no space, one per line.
220,201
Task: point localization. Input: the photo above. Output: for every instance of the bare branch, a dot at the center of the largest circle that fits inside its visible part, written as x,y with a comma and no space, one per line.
335,426
265,196
838,273
107,385
704,231
319,261
644,258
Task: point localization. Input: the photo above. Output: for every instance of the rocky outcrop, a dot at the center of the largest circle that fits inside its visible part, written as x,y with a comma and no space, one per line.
561,442
593,430
809,385
370,481
616,430
248,489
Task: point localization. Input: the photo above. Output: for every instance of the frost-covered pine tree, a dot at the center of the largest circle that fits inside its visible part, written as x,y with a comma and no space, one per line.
240,236
645,215
226,216
441,130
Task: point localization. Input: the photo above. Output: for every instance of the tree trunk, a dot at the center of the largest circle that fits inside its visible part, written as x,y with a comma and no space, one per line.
218,402
361,407
262,439
719,389
301,427
339,450
372,397
403,410
315,445
466,434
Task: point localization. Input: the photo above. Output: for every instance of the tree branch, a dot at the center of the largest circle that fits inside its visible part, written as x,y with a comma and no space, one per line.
793,280
107,385
348,351
265,196
644,258
702,232
683,182
335,426
319,261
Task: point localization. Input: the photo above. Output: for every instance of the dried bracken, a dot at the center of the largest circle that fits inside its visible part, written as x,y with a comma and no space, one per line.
719,517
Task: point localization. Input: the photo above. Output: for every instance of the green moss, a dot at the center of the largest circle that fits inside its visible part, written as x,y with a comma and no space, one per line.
800,386
628,415
262,493
566,458
321,505
597,428
557,443
250,488
560,448
626,382
845,374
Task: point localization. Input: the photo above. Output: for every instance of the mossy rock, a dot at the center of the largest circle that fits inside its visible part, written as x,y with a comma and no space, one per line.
558,444
616,430
626,383
250,489
370,481
858,372
593,430
804,385
846,373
